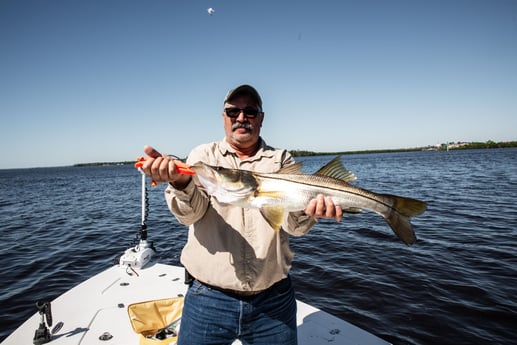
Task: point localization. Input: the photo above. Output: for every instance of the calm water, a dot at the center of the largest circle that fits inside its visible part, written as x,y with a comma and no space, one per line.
456,285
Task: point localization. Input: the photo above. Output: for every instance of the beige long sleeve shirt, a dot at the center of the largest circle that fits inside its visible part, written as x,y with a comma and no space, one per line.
228,246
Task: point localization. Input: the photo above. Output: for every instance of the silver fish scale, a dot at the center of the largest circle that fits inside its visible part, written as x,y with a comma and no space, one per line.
294,191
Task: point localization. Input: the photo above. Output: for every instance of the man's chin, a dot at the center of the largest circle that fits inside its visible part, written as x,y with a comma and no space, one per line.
242,138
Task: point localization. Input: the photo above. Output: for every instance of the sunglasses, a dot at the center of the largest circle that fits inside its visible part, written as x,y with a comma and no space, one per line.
249,112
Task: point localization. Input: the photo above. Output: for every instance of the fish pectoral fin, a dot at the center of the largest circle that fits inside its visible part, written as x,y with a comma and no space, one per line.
274,215
273,194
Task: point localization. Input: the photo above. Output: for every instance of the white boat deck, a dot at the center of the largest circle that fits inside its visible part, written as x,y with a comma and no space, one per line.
99,305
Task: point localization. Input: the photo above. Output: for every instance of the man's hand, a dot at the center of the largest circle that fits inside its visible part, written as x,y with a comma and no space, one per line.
323,207
162,168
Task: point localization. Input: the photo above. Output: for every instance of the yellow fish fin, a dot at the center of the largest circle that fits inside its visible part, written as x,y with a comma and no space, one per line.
274,215
353,210
336,169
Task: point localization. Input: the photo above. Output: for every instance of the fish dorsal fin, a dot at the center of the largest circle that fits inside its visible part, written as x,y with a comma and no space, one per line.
295,168
336,169
274,215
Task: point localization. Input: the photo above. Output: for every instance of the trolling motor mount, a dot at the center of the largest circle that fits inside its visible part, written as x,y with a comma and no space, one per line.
139,255
42,334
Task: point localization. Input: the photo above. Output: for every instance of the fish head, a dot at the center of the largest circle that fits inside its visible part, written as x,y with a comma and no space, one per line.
227,185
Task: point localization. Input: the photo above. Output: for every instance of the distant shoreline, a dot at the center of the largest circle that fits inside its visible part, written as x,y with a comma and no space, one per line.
441,147
303,153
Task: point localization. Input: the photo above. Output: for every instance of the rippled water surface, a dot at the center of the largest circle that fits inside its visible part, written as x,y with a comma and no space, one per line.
456,285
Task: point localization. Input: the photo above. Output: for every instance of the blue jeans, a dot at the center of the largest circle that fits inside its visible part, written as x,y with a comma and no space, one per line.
213,317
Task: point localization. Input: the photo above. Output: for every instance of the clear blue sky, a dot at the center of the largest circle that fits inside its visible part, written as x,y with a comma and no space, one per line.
89,81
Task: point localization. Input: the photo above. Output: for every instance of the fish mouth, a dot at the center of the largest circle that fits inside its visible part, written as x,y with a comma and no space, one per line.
204,170
206,175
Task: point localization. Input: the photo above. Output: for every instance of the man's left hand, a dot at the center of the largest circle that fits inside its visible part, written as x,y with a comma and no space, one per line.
324,207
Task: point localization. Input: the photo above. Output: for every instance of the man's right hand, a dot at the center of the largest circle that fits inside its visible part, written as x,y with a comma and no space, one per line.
161,168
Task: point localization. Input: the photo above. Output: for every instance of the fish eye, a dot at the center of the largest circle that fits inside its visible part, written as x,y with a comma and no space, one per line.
232,175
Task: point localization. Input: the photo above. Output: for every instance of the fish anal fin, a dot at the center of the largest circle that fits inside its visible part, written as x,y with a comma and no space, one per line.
336,169
274,215
353,210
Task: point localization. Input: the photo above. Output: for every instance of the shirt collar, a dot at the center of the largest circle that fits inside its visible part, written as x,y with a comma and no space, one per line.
263,151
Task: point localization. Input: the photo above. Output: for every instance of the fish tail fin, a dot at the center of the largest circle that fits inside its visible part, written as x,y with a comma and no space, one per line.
398,218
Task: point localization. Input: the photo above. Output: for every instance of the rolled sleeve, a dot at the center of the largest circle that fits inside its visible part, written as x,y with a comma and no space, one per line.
188,205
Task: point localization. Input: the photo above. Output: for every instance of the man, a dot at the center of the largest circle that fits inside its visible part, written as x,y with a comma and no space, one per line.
241,288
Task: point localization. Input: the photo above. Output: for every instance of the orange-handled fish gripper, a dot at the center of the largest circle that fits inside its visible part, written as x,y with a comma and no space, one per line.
182,168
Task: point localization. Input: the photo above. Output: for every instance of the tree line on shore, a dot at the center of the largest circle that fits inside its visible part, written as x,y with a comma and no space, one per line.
301,153
442,147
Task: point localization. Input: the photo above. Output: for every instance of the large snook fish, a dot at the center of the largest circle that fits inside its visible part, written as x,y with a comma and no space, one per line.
289,190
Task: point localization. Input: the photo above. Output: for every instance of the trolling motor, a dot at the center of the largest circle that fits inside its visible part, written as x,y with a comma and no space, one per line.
139,255
42,334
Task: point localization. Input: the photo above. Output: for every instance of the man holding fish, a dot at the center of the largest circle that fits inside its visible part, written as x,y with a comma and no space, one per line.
243,202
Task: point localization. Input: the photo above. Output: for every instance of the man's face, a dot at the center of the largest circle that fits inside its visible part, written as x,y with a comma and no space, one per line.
242,132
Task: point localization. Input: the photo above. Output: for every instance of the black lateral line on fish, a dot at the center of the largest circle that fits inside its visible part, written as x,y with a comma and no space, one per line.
333,181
